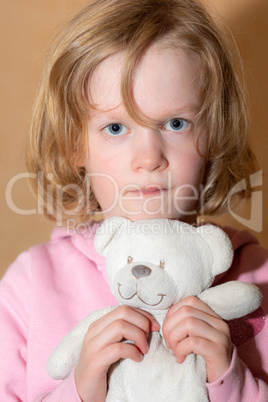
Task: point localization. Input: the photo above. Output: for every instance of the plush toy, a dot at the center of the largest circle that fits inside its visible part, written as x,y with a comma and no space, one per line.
152,264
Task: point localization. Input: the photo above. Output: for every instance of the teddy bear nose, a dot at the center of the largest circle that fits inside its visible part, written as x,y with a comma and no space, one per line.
140,271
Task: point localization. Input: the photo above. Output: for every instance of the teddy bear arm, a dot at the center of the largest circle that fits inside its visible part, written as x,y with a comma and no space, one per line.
232,299
66,355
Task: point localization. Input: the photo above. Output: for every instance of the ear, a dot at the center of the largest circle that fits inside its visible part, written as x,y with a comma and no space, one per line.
106,232
220,247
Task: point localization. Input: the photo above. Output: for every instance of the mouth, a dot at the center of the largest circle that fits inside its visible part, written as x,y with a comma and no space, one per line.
149,191
136,294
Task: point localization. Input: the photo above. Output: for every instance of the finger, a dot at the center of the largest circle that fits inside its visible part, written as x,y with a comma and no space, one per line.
214,353
118,331
153,324
197,345
195,327
97,364
122,330
194,302
186,314
116,351
184,319
139,318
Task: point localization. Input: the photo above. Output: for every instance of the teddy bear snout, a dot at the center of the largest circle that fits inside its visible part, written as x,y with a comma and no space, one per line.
141,271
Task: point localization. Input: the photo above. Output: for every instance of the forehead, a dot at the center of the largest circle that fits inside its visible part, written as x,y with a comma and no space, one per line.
163,77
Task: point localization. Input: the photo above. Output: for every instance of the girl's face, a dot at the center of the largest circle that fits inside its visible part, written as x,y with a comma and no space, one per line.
141,172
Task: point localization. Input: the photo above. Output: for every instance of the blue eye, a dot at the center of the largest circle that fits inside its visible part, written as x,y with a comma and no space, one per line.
176,125
115,129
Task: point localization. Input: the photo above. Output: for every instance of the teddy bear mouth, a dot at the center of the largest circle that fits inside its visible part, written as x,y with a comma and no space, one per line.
136,294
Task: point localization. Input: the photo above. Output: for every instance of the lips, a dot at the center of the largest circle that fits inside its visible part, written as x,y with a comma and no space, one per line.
152,190
149,191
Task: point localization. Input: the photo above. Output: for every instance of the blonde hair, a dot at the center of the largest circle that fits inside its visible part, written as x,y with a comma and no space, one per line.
59,138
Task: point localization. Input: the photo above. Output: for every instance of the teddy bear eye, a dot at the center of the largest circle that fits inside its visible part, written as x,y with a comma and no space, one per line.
129,260
162,264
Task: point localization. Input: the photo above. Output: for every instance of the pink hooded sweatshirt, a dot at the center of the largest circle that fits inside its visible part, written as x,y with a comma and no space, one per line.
53,286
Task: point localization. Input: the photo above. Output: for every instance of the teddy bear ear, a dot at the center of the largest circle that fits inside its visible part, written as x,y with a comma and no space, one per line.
106,232
219,245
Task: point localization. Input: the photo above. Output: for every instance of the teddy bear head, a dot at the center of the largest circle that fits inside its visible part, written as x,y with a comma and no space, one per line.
152,264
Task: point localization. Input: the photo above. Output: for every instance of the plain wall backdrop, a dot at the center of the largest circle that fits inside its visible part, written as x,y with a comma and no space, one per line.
27,28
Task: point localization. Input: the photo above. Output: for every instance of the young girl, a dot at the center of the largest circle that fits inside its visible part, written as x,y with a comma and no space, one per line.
140,114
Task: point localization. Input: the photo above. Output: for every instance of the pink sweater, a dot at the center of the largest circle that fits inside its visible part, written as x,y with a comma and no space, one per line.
53,286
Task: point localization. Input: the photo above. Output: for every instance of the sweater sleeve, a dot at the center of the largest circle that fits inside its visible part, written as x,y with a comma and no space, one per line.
14,313
238,385
65,391
15,306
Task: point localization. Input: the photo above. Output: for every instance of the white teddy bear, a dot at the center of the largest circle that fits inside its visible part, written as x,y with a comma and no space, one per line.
152,264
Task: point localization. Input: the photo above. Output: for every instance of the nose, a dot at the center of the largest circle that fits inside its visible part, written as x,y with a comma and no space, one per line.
141,271
148,151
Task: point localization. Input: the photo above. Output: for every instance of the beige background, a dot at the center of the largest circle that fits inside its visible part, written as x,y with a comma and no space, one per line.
27,26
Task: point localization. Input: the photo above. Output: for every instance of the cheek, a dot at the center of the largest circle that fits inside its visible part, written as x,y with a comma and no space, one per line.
198,169
105,190
194,161
103,158
104,179
189,168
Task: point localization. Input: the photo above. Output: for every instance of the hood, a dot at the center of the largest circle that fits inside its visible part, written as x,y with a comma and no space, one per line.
82,239
239,239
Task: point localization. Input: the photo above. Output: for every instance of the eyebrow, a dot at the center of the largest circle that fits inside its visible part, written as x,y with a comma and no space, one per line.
119,114
187,107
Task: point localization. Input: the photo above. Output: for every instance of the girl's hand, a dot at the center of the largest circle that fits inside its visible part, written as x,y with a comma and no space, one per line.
103,346
191,326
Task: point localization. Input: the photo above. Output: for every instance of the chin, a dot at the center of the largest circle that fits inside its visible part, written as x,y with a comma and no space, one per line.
156,215
152,209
